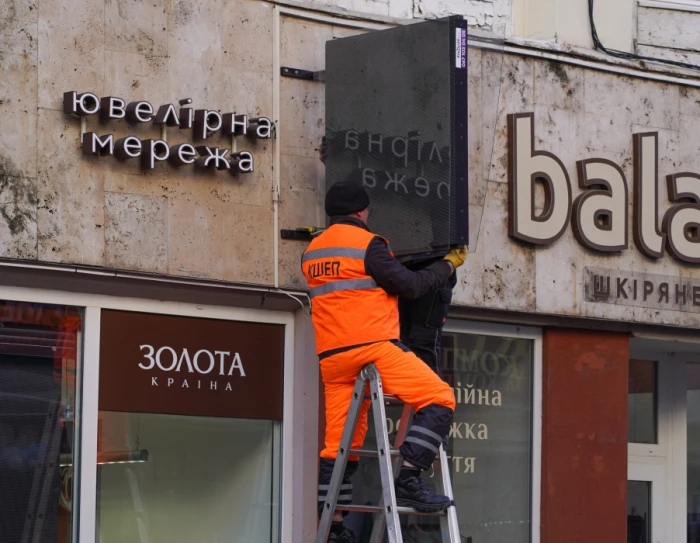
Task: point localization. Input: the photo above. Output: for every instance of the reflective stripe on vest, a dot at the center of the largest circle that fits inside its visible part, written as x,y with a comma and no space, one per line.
347,284
334,251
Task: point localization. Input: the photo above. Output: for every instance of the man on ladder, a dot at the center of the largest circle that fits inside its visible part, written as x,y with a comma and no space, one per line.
355,282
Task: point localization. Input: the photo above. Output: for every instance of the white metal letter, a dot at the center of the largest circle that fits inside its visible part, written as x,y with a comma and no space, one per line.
174,355
112,107
647,237
94,145
681,224
242,162
182,153
211,361
153,151
237,364
222,354
148,356
525,167
139,112
212,156
206,121
185,357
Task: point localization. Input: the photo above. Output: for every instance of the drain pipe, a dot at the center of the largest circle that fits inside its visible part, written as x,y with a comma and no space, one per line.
276,150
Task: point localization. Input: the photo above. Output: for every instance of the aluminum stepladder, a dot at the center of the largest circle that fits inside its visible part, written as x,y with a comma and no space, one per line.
387,512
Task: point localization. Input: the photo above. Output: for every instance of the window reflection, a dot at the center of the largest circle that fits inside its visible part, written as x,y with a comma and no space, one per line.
693,410
181,478
489,448
39,352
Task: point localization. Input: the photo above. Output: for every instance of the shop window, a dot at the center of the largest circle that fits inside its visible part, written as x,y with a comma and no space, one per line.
642,401
489,449
693,413
189,429
638,511
174,478
40,348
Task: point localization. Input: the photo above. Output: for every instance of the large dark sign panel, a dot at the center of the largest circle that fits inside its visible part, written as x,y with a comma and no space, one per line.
396,120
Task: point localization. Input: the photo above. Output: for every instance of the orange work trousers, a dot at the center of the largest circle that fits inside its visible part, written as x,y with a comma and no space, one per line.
403,374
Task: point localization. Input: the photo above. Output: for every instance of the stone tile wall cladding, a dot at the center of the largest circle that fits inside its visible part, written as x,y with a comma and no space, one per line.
579,114
669,34
61,206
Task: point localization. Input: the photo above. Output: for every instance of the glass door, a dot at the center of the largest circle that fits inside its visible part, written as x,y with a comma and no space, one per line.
646,503
651,446
692,411
661,395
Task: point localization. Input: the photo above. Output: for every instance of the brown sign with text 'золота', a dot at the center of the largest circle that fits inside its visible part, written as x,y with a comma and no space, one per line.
190,366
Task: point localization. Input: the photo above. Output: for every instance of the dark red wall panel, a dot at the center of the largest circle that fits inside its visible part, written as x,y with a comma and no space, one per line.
584,437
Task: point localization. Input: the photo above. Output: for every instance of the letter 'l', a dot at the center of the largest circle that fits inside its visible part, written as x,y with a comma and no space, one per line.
647,236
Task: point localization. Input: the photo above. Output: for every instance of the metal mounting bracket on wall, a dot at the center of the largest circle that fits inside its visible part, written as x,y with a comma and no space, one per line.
308,75
306,233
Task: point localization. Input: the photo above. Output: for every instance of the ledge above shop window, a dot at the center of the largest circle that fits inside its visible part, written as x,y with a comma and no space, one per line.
677,5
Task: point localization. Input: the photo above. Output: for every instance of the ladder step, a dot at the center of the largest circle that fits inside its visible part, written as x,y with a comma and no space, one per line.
376,509
372,452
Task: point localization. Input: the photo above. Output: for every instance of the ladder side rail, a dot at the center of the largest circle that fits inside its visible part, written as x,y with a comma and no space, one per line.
406,421
50,441
52,469
385,468
341,460
448,523
404,425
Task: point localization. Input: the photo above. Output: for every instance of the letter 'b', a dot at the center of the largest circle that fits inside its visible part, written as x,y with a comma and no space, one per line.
525,168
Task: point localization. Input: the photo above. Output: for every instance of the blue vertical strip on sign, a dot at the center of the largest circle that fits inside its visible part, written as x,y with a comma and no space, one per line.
460,108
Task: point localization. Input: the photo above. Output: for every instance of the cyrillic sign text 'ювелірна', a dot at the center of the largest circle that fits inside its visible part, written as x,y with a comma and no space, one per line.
203,123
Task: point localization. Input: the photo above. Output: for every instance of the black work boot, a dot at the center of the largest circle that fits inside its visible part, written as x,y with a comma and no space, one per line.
340,534
412,492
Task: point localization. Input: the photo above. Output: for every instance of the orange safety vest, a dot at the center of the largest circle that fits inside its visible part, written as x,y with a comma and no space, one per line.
347,306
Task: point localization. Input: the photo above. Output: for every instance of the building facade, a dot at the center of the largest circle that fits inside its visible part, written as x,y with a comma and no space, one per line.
158,378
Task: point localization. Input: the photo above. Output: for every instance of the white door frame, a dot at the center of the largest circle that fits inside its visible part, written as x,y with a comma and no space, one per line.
534,334
667,459
654,473
87,387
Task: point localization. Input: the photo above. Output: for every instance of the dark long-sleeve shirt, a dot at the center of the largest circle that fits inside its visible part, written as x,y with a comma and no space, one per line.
393,276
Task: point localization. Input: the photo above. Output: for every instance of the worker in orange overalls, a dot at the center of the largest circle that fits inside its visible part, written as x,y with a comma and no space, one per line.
355,282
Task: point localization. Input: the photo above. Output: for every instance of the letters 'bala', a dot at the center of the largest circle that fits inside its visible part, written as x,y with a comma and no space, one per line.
600,213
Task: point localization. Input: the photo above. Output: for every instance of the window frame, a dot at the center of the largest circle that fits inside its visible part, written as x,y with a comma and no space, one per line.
458,326
675,5
87,390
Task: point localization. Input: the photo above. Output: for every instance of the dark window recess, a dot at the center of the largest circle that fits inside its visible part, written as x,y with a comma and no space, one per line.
638,511
642,401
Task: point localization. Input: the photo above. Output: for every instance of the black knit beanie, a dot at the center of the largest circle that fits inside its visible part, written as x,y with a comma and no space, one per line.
345,197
